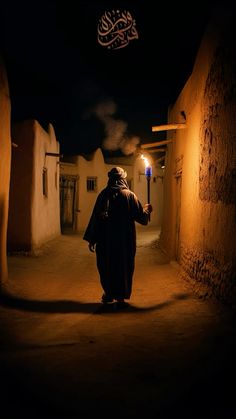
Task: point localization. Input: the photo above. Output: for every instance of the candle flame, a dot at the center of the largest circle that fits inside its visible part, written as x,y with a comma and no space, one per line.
146,161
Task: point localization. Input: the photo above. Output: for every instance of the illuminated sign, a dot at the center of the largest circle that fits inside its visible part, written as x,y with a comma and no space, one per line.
116,29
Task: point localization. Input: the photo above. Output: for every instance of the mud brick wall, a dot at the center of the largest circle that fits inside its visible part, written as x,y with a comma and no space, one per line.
209,275
217,171
5,164
199,222
218,152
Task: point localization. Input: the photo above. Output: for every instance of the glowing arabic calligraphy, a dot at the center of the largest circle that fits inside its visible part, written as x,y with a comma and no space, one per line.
116,29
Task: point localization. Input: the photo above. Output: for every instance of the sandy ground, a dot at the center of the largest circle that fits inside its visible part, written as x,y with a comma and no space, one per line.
170,354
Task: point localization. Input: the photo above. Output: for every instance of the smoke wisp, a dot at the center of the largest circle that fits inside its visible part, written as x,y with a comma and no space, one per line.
116,137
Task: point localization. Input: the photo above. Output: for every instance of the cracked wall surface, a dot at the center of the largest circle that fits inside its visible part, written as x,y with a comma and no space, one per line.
199,223
217,173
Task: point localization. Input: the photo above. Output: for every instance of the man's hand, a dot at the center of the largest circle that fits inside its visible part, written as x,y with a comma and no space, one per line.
148,207
91,247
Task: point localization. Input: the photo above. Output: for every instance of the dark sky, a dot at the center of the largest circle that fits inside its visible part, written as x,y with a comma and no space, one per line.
59,73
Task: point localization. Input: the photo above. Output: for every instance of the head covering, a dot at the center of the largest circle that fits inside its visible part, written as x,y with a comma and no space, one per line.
117,178
117,173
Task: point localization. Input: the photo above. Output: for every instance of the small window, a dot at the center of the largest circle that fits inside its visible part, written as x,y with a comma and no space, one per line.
45,181
91,184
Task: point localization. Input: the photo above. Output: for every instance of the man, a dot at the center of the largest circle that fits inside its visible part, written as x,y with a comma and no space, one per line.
111,233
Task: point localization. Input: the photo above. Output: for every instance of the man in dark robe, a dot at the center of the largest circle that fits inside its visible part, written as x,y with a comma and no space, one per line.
111,233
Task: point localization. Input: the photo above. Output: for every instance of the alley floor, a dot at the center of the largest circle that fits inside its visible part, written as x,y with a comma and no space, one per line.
169,355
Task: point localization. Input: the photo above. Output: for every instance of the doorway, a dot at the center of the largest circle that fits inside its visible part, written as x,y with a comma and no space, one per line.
68,194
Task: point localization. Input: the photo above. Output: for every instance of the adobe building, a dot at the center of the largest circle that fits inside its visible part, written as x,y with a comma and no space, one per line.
199,222
5,164
82,178
34,211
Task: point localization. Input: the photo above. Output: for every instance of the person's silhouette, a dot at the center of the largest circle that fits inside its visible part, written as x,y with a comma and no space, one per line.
111,233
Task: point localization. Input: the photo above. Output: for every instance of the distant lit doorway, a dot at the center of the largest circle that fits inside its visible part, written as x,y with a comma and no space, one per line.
68,193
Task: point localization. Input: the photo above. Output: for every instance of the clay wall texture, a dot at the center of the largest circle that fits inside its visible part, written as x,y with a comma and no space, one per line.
34,217
5,164
199,222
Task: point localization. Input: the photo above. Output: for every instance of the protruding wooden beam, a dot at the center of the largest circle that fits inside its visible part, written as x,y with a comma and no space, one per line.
157,144
168,127
157,150
54,154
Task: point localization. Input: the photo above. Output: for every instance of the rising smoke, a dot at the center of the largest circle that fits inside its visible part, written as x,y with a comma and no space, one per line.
116,137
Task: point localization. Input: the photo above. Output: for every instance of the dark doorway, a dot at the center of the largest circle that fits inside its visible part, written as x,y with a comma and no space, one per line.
68,194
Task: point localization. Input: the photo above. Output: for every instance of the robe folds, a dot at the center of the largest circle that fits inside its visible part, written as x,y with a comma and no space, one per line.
112,229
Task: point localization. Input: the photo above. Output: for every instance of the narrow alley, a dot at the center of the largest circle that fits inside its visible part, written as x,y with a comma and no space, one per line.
170,354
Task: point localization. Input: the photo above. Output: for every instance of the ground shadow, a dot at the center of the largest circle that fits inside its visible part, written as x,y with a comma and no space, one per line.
70,306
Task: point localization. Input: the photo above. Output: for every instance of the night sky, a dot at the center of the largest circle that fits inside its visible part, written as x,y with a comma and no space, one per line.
59,73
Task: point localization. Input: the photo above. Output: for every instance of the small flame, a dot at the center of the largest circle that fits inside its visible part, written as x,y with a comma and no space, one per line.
146,161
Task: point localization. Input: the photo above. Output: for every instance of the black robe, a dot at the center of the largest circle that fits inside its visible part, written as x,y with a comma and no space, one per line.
112,229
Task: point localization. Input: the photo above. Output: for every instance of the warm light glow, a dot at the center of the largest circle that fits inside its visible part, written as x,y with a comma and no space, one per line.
148,167
146,161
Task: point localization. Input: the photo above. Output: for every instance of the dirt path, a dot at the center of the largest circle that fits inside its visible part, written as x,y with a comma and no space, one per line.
168,355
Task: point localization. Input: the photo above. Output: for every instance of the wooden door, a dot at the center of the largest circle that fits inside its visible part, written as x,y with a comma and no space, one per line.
68,188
